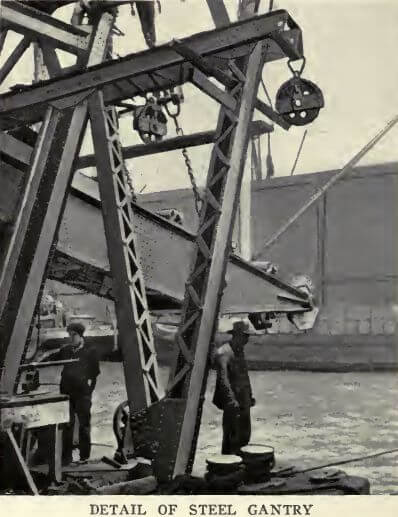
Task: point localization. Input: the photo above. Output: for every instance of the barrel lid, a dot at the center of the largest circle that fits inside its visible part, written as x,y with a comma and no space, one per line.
254,448
223,459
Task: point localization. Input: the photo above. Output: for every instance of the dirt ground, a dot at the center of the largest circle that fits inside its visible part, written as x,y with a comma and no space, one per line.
309,419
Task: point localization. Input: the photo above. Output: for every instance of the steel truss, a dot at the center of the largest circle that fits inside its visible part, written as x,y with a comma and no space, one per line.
164,428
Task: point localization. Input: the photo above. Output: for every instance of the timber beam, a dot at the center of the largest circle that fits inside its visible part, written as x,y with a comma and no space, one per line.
36,24
157,68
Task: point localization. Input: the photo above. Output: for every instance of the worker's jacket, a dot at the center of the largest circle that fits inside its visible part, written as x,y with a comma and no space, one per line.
75,376
238,376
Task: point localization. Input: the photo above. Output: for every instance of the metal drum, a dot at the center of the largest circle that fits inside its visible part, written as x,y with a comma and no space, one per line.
258,460
225,473
223,464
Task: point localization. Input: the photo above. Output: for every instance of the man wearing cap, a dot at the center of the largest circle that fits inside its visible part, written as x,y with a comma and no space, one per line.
233,393
78,380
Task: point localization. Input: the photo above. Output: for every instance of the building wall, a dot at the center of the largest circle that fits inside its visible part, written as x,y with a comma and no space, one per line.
347,244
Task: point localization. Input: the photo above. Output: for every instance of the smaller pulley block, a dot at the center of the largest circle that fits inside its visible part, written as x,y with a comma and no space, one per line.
150,121
299,101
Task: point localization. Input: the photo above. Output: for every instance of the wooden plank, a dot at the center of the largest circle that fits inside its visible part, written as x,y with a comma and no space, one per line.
35,415
55,457
17,459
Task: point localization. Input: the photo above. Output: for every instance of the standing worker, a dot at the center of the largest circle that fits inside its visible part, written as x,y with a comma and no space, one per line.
233,393
78,381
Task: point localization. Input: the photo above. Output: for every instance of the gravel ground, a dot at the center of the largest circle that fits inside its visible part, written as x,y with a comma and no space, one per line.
309,418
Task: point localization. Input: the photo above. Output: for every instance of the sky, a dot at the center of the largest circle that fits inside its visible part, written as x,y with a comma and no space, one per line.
350,48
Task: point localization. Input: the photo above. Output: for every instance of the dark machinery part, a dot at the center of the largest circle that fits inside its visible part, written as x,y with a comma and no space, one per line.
260,320
120,427
150,121
32,381
299,100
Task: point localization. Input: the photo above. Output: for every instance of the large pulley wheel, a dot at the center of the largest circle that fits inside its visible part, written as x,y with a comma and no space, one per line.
299,101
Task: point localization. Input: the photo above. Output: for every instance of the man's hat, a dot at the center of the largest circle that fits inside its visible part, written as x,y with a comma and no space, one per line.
240,327
79,328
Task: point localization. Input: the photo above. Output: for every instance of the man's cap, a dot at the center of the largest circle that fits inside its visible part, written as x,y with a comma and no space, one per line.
240,327
79,328
244,327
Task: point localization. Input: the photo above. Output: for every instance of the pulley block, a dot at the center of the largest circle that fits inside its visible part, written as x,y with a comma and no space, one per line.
299,101
150,121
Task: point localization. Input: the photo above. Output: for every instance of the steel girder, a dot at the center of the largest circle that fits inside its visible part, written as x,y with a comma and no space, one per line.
166,254
36,24
158,68
40,214
206,283
134,322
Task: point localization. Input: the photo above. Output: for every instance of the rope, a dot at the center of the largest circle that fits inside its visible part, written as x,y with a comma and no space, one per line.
269,161
337,463
321,191
298,153
266,92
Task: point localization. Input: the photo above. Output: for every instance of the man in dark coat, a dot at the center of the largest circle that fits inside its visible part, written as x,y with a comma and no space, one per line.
78,380
233,393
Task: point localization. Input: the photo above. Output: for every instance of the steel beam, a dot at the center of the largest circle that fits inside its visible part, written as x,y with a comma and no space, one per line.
271,114
135,330
50,59
3,35
28,253
170,144
258,127
40,214
166,252
154,69
206,86
205,286
33,23
14,57
20,151
14,148
218,12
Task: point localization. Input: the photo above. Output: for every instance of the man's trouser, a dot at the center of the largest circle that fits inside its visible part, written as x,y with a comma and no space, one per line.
236,427
80,406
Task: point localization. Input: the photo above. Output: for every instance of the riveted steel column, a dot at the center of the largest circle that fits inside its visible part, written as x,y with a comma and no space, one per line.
42,207
135,337
205,286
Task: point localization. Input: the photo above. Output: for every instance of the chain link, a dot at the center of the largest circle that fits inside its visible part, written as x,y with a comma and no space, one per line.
188,163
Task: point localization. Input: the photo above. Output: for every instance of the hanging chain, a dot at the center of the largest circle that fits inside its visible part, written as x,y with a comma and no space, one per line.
188,163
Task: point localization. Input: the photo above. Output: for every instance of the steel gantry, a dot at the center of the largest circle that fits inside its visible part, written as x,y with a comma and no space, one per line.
164,428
